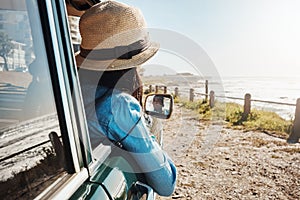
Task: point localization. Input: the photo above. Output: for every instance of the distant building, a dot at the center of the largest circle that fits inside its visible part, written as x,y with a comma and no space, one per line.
16,26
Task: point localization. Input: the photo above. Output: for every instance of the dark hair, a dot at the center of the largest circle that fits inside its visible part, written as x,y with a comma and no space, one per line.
127,80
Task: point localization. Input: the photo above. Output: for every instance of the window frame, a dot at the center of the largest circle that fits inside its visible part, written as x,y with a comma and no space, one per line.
92,158
81,161
68,100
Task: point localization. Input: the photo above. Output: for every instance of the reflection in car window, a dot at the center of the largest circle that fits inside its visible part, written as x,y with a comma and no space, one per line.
29,163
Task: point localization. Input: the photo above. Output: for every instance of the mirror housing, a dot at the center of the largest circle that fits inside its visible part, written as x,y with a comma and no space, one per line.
159,105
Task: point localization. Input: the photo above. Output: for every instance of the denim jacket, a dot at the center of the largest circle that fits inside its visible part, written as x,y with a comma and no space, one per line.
114,114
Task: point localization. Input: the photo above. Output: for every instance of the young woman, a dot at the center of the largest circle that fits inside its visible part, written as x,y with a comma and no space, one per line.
114,44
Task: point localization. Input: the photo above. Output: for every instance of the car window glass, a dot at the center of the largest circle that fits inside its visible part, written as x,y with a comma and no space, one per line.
28,117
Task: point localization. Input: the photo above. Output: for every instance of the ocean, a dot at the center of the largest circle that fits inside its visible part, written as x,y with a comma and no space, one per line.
274,89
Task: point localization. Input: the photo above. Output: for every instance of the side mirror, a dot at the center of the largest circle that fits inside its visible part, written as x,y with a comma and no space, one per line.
159,105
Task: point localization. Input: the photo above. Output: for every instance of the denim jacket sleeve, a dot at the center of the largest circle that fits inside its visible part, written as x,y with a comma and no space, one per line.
159,169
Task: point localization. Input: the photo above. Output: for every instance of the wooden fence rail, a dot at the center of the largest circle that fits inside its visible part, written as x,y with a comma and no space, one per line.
295,135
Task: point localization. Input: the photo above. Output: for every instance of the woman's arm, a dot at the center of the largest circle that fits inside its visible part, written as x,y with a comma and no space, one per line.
157,166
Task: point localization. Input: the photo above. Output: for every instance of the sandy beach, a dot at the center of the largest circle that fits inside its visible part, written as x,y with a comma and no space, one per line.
214,162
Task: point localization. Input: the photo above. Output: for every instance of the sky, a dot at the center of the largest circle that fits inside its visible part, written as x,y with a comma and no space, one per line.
239,37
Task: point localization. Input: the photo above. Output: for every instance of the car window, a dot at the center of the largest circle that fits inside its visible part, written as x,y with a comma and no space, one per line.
30,146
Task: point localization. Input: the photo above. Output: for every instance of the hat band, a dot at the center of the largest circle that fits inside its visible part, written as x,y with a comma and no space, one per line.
119,52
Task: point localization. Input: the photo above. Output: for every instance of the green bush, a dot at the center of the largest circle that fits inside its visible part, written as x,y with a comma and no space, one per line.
267,121
191,105
233,114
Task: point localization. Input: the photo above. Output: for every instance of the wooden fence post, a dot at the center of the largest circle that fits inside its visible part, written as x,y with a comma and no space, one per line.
247,106
58,148
165,89
206,90
211,99
192,94
150,88
156,89
295,135
176,92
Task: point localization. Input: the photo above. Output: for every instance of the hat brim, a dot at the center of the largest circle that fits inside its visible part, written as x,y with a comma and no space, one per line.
117,64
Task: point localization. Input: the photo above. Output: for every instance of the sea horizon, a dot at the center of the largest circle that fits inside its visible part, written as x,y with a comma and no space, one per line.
283,89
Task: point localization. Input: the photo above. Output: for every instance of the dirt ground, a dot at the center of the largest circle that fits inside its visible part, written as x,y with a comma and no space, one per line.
218,163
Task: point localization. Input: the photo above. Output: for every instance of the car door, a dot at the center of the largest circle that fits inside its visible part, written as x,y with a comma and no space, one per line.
41,121
45,149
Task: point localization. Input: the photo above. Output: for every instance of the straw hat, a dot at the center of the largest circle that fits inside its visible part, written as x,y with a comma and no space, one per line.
114,37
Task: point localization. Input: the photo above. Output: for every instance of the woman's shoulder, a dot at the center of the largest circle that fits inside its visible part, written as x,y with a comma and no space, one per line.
125,109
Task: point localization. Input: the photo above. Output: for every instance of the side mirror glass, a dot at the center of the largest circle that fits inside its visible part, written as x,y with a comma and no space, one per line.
159,105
